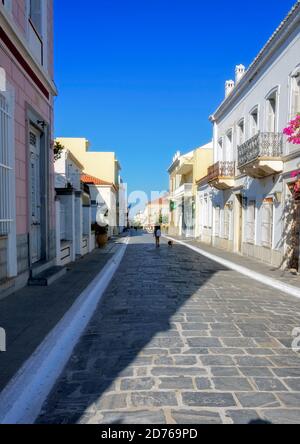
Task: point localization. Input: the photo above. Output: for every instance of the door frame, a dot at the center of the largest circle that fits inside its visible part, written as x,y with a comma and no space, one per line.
35,187
35,120
238,223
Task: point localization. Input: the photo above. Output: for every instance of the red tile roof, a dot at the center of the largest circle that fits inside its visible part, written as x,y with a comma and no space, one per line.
91,180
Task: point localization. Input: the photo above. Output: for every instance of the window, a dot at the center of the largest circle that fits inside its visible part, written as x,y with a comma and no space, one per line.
37,11
267,223
254,122
250,228
35,15
220,148
241,132
5,167
271,112
7,4
228,154
295,105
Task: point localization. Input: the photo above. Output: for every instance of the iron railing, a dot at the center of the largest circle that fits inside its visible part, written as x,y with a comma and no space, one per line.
265,145
221,169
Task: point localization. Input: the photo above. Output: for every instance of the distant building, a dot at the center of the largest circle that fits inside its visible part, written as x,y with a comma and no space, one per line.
103,167
184,174
156,213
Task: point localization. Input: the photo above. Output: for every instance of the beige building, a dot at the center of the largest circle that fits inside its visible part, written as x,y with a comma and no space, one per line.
103,167
157,212
98,164
186,170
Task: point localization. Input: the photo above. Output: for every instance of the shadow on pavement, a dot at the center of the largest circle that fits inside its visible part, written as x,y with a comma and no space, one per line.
134,322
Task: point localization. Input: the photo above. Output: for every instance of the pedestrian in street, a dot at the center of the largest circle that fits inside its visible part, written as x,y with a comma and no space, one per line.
157,235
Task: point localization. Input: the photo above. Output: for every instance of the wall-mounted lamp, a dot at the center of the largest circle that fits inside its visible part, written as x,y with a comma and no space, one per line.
42,123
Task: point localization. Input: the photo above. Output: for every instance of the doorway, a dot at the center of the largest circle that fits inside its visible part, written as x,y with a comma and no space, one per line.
239,227
35,195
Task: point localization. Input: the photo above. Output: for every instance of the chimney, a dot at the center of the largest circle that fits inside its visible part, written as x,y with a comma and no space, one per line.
229,86
239,73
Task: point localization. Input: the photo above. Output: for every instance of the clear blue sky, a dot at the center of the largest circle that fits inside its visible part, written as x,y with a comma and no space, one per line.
141,77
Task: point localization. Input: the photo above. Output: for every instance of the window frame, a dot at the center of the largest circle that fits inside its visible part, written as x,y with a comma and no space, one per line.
251,206
274,93
240,122
294,75
268,203
252,112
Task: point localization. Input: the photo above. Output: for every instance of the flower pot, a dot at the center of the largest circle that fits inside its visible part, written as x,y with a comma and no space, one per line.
101,240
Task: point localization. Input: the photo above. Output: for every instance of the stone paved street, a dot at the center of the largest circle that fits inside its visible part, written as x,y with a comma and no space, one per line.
180,339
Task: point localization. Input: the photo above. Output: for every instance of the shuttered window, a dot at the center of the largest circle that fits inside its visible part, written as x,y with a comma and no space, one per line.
5,167
250,229
271,113
295,95
267,224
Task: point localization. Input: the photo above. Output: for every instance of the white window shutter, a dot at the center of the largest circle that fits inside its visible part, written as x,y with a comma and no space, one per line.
295,96
5,167
267,224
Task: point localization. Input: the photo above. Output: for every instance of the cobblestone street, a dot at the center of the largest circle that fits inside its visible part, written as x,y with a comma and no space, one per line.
180,339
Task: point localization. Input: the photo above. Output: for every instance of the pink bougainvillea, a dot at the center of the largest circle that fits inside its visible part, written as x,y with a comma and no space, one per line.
293,131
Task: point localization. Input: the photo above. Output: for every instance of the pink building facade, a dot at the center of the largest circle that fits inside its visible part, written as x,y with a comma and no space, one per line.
27,200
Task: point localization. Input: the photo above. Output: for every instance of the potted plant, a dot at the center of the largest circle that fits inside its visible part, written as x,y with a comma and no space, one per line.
101,234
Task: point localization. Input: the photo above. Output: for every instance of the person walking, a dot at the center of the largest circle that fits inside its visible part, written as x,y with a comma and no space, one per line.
157,235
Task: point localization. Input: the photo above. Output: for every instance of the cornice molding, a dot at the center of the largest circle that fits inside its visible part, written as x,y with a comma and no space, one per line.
286,28
18,40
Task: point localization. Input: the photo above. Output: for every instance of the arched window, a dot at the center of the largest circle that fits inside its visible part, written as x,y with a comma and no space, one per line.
295,93
253,124
271,111
241,132
229,141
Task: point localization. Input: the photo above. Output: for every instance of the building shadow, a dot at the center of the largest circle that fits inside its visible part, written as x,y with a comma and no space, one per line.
137,312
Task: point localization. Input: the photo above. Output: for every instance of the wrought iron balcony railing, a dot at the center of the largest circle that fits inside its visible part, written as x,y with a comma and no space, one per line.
221,169
262,145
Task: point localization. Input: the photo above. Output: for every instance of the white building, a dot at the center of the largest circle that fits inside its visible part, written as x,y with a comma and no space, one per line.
181,195
104,197
73,211
255,211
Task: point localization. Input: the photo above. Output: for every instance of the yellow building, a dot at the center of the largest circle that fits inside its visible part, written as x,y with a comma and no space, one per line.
184,173
101,166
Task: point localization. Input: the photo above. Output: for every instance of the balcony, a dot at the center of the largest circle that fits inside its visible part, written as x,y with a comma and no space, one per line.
185,190
261,156
221,175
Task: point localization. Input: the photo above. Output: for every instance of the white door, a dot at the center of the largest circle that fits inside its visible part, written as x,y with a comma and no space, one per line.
35,191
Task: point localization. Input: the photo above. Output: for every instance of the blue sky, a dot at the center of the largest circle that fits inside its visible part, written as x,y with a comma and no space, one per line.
141,77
